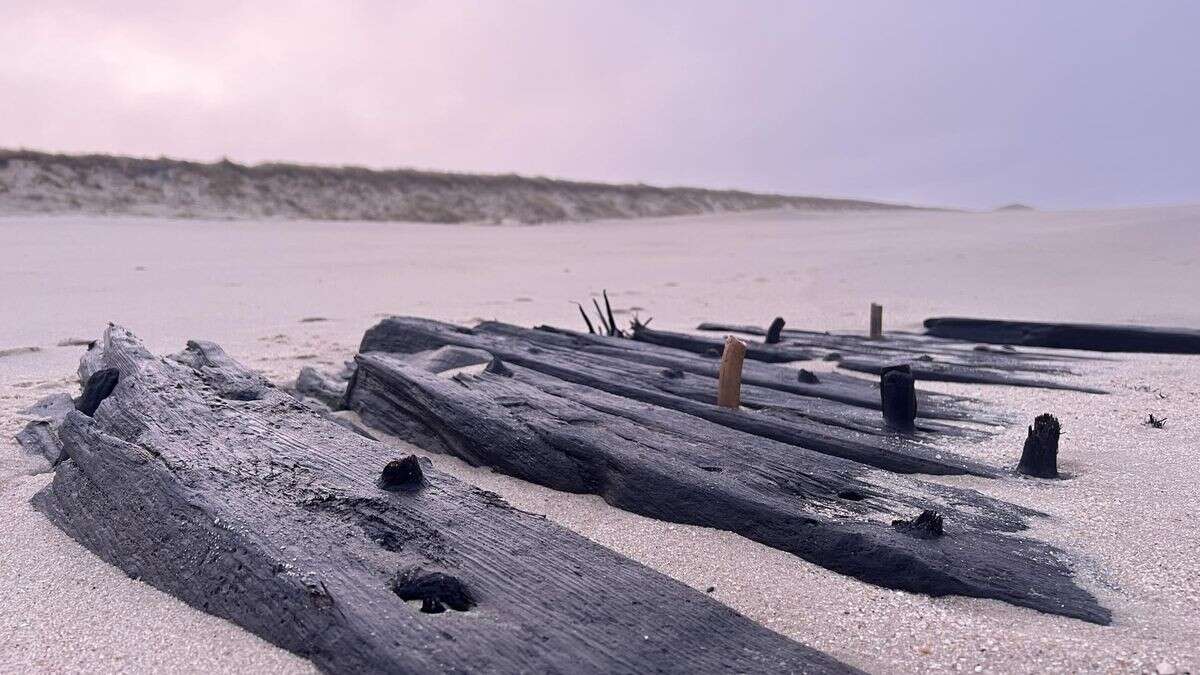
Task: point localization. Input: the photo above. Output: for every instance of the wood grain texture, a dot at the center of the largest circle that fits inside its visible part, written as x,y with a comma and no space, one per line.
674,389
202,479
836,387
674,466
931,358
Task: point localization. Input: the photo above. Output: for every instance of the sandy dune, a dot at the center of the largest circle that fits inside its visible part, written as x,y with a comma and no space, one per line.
1128,513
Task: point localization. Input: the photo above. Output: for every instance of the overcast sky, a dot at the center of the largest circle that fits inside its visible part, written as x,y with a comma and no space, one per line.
967,103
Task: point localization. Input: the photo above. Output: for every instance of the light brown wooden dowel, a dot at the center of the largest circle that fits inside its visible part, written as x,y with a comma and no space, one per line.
729,376
876,321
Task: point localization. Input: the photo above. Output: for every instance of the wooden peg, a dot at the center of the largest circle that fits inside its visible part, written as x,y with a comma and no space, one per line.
729,376
876,321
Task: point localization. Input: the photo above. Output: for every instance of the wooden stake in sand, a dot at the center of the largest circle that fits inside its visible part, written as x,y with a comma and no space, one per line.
1040,454
774,331
729,376
898,397
876,321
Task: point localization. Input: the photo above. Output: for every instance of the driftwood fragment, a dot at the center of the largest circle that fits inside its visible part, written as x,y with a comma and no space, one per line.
264,513
729,378
327,389
813,426
1039,457
835,387
774,331
898,396
40,436
586,320
971,374
1095,337
700,344
674,466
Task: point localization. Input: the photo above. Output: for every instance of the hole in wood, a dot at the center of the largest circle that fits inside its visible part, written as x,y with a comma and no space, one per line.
402,474
852,495
434,591
98,387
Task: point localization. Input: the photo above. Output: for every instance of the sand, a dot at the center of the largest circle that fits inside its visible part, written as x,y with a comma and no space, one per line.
1128,514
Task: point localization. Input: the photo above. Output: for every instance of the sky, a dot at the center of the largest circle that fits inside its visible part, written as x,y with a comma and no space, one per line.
969,103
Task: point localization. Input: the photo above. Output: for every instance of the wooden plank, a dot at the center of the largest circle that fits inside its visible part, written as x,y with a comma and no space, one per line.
898,343
672,466
936,362
949,372
200,478
834,387
1095,337
659,387
700,344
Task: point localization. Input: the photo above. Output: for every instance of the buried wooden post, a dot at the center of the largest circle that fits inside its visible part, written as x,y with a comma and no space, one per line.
729,375
898,397
1039,457
876,321
774,331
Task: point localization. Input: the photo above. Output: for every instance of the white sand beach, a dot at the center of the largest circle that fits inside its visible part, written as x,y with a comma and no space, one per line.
280,295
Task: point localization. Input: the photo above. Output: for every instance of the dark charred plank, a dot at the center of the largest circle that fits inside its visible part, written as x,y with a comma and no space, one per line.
1094,337
898,343
835,387
699,344
948,372
670,389
672,466
966,366
253,508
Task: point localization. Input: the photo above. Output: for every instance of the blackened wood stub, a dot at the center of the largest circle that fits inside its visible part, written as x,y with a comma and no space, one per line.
1040,455
774,331
898,396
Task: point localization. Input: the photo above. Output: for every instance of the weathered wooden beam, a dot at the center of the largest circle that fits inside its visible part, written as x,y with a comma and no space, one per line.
876,328
835,387
948,372
895,344
1095,337
729,376
700,344
257,510
670,465
655,386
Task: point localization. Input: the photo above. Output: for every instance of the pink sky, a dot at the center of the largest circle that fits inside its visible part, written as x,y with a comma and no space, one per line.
961,103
